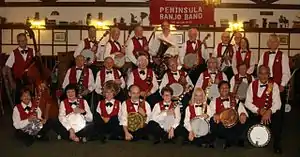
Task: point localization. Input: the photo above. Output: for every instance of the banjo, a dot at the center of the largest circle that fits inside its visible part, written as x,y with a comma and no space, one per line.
200,126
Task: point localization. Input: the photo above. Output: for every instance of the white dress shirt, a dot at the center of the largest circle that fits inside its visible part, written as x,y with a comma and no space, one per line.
129,51
213,77
241,109
158,115
276,102
286,73
108,49
155,44
165,80
91,83
108,77
124,114
17,122
232,81
11,59
198,111
109,109
182,52
234,63
81,46
130,80
62,117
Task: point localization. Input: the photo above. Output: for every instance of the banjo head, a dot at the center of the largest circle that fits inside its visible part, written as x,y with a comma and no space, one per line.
229,117
76,121
213,91
88,55
190,60
177,89
200,127
242,90
119,60
259,135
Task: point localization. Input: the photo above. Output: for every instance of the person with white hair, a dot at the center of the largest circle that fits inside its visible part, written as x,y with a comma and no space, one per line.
113,46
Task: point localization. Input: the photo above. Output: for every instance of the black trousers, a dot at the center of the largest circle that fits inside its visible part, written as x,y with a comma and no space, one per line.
207,139
275,126
112,127
139,134
231,135
159,133
26,138
153,99
87,132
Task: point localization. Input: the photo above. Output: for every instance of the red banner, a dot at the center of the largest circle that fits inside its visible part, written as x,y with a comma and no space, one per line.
183,12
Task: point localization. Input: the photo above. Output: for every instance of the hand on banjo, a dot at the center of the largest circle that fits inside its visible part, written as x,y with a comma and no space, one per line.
217,118
32,118
266,118
205,116
191,136
171,133
243,118
78,110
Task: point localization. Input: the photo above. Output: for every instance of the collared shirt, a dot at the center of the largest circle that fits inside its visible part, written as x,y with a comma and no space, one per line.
81,46
286,73
182,52
129,51
11,59
108,77
91,83
108,49
17,122
158,115
276,102
213,77
62,117
232,81
124,114
109,109
252,63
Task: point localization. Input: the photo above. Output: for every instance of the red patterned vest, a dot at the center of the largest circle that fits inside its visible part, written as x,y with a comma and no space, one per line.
261,101
171,76
114,48
23,114
206,77
69,108
72,76
103,74
190,49
20,64
219,50
137,47
239,59
114,112
130,107
143,84
277,66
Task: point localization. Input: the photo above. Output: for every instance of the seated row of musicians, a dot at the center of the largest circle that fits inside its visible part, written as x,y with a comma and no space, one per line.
113,118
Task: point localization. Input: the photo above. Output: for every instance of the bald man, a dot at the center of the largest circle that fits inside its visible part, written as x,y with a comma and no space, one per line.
138,44
113,45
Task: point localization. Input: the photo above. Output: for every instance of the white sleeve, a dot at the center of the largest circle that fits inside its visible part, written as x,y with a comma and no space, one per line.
155,84
234,64
153,47
129,52
205,53
155,113
39,113
98,109
123,114
241,109
88,116
249,100
224,76
11,60
98,54
252,65
164,82
276,101
189,81
232,82
199,82
98,88
62,116
107,51
212,106
122,80
286,73
17,122
66,79
91,85
130,80
177,117
260,62
79,48
187,122
148,111
182,53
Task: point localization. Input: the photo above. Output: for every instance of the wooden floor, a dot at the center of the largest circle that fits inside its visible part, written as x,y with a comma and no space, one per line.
10,147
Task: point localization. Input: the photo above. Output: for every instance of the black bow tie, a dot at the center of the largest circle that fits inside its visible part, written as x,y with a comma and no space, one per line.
263,85
198,105
139,38
166,105
142,72
224,44
109,104
73,103
272,52
135,104
223,100
24,51
116,42
107,72
174,73
213,73
244,77
193,42
244,52
27,108
79,69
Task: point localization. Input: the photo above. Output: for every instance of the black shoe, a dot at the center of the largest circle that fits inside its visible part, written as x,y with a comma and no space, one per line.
277,150
156,141
241,143
226,145
211,145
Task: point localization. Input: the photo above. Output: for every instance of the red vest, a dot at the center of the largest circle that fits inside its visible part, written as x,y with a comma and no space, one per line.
206,77
103,74
171,76
130,107
73,80
277,66
144,86
190,49
69,108
162,107
137,47
219,104
219,50
114,112
239,59
237,78
260,101
114,48
20,64
87,44
192,111
23,114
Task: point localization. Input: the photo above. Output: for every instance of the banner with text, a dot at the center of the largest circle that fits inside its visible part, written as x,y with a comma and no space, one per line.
183,12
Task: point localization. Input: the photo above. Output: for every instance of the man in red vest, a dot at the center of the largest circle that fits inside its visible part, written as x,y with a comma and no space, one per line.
113,45
107,116
89,43
131,106
24,115
194,45
263,100
19,61
236,133
138,44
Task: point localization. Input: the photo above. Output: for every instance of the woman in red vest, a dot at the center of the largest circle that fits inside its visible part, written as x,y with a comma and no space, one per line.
107,115
235,134
263,100
25,114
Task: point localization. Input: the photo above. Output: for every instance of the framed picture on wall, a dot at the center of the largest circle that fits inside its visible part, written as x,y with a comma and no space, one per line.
179,38
60,36
283,39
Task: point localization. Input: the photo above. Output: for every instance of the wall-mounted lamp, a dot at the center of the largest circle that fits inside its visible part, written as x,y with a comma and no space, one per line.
172,27
212,2
99,24
37,24
235,27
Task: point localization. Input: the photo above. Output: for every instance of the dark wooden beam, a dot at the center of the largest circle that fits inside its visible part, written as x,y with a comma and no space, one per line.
102,3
